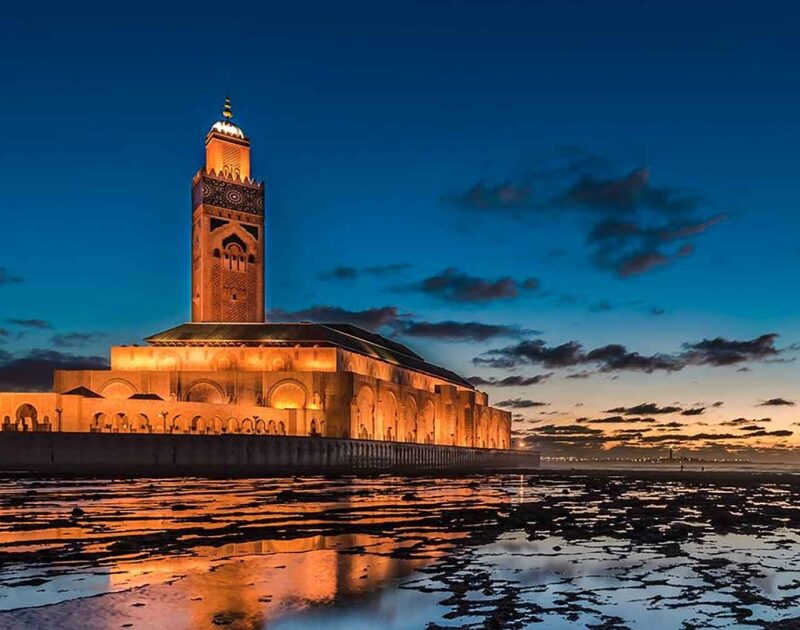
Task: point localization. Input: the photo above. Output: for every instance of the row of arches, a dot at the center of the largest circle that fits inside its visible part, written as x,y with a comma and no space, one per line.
387,420
167,423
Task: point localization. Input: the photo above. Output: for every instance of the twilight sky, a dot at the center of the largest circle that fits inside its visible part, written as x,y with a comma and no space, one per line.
593,201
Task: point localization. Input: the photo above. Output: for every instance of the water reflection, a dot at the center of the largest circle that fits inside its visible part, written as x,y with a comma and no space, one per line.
234,553
563,551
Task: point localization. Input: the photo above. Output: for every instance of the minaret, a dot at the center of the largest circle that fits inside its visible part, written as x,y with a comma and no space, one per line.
227,230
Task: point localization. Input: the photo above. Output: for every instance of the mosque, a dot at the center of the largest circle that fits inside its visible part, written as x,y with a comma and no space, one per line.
228,371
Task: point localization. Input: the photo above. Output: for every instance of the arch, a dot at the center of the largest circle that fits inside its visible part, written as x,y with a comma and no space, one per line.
288,394
410,419
390,415
247,426
232,425
178,424
271,428
205,391
234,240
314,430
100,422
199,425
281,428
217,424
260,426
26,417
117,389
7,424
428,423
365,412
142,423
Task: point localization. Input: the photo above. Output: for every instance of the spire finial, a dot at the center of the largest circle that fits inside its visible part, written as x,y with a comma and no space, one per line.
226,110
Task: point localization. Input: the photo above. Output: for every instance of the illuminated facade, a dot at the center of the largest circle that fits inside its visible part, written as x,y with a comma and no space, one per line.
230,372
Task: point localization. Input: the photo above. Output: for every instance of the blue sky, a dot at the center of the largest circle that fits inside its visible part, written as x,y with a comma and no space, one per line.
369,122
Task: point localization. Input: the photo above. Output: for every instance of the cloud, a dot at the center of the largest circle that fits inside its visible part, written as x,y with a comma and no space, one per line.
579,375
634,226
670,425
777,402
345,273
34,371
76,339
510,381
7,278
676,437
736,422
458,331
4,335
340,273
720,351
392,321
38,324
371,318
644,408
778,433
698,411
615,357
452,285
520,403
566,430
616,420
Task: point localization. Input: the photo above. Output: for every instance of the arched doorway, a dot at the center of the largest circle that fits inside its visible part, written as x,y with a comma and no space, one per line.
365,412
26,417
199,425
205,392
410,420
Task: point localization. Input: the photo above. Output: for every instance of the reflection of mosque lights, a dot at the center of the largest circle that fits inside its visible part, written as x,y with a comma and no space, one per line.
262,577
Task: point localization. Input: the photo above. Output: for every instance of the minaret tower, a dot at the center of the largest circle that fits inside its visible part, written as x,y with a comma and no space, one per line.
227,230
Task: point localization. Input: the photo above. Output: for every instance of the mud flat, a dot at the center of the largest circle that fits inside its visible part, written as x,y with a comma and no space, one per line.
559,549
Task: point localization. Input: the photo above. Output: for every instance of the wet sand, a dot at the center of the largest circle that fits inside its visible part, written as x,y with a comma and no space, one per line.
552,548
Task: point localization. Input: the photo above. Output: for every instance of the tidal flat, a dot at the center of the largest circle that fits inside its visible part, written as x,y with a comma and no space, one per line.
550,549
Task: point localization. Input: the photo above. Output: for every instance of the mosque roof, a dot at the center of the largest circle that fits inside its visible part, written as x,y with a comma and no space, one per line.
83,391
346,336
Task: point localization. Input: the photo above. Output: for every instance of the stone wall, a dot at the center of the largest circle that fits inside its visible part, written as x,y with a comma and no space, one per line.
230,455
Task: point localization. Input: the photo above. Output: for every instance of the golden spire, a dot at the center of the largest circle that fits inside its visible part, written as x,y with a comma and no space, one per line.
226,110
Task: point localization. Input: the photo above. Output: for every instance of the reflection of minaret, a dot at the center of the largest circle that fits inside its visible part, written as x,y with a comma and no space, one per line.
227,230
